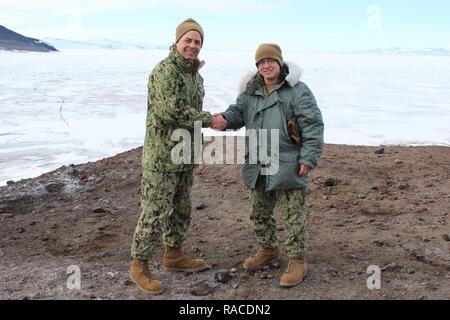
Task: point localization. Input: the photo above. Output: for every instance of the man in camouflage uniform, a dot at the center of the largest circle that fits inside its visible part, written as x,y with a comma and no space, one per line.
175,98
274,99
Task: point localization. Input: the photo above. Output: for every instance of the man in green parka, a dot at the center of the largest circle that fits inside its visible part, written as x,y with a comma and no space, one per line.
274,102
175,99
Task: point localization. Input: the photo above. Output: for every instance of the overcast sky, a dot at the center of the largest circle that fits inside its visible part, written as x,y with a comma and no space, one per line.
304,25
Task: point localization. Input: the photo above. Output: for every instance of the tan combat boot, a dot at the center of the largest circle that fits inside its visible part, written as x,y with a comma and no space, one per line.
174,260
263,257
143,278
294,273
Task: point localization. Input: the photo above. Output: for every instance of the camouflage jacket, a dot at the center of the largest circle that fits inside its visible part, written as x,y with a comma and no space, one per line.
175,99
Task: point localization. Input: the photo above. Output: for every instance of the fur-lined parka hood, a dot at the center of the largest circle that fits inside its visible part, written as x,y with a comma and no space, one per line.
292,73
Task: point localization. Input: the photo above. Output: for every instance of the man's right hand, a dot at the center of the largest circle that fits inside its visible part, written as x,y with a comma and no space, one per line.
218,122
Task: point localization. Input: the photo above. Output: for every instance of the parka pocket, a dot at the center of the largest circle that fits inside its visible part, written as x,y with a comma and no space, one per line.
287,177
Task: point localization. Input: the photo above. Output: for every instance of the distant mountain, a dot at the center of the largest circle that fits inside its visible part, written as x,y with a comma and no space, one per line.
10,40
101,44
408,51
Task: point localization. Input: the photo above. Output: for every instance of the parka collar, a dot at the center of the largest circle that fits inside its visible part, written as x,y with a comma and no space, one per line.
257,88
185,65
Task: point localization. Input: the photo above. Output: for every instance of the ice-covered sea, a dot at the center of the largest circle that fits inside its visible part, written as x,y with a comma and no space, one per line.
76,106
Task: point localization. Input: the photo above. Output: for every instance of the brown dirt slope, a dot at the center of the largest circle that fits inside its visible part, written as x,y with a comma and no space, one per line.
390,210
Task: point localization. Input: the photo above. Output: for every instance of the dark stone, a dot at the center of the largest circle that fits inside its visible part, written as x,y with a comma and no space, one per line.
222,276
53,187
90,189
330,182
73,172
10,183
403,186
127,282
379,151
391,267
200,206
275,265
202,288
446,237
419,257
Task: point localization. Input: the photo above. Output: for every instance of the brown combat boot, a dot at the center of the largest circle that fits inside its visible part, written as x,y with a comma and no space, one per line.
263,257
294,273
175,260
143,278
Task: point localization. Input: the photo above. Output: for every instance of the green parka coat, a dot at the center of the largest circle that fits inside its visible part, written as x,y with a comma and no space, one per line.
290,99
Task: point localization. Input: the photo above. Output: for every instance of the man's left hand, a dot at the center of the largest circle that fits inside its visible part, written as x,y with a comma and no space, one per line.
304,170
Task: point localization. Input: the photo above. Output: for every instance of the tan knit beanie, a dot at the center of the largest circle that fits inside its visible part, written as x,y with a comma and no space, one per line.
269,50
188,25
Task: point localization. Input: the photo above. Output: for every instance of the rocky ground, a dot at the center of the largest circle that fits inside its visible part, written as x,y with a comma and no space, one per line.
388,209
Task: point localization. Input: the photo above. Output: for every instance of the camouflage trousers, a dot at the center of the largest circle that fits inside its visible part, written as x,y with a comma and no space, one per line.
292,204
166,211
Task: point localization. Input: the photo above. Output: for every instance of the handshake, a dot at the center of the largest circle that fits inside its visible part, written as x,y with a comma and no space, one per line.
218,122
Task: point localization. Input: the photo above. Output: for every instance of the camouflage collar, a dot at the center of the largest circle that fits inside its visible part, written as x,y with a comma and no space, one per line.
185,65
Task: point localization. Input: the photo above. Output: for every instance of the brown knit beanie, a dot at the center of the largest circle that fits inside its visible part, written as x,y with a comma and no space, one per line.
188,25
269,50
